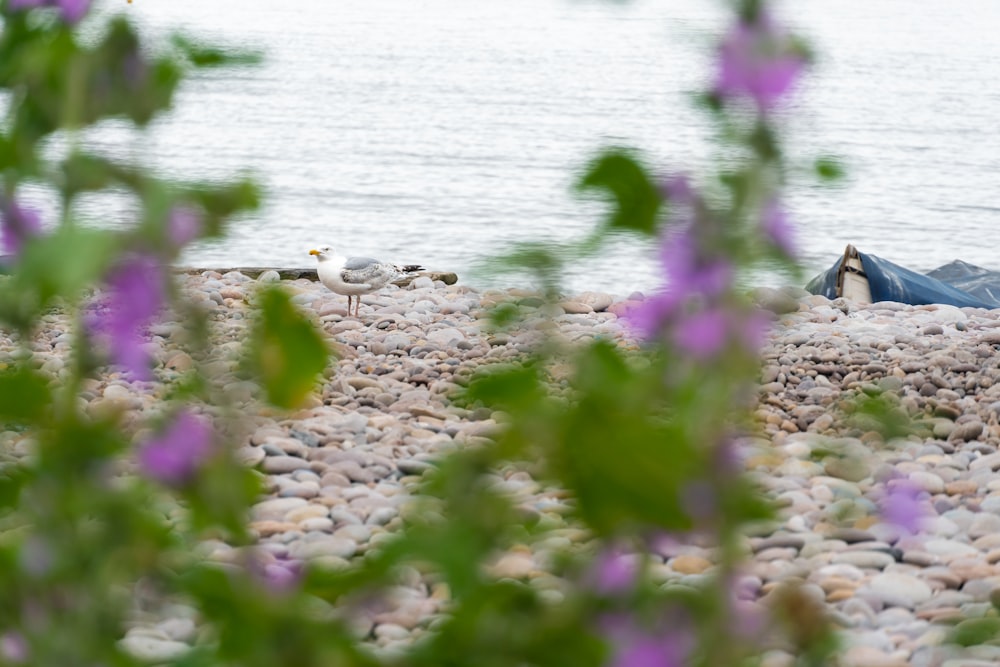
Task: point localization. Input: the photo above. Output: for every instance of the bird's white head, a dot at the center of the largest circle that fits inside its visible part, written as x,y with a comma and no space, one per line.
321,253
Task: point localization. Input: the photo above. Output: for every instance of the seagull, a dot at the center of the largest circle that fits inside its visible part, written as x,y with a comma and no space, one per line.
354,276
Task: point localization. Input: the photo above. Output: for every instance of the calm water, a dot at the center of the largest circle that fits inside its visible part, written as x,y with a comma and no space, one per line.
440,131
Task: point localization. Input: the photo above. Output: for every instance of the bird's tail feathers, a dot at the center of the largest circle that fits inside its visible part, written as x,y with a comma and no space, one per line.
410,268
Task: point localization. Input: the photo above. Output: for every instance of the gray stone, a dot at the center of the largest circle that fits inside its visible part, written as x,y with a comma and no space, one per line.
150,649
899,590
445,337
325,546
269,277
277,465
876,560
418,467
275,508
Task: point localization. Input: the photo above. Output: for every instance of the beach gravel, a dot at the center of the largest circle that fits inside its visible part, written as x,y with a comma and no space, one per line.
341,472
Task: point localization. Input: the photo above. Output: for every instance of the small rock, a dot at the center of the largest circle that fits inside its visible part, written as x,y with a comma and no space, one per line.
269,276
576,308
150,649
899,590
690,564
325,546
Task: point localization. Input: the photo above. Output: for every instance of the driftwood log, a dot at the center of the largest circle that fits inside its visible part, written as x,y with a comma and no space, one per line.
310,274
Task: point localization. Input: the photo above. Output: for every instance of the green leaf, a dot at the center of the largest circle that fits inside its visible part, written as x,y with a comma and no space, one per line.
202,55
82,172
829,169
636,198
287,352
220,201
975,631
878,412
120,81
515,388
12,480
58,265
24,396
64,263
626,468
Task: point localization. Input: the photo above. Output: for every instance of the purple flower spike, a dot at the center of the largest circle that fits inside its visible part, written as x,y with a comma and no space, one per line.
646,318
688,272
14,647
699,500
184,224
677,189
282,576
71,10
638,647
175,455
17,225
613,572
703,334
753,330
774,223
757,60
687,275
652,652
901,505
137,292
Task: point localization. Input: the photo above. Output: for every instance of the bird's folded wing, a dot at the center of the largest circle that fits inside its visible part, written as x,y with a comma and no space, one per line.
355,263
373,273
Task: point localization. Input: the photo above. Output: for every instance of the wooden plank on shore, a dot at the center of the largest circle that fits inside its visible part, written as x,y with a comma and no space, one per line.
446,277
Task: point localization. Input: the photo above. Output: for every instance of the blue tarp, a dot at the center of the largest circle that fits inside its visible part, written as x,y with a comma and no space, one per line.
956,283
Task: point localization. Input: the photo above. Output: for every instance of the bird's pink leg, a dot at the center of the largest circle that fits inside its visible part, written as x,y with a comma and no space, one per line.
348,305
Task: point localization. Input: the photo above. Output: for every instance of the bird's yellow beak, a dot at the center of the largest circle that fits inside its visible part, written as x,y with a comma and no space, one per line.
314,252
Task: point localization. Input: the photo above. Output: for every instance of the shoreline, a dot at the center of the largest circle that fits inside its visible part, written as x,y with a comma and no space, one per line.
340,472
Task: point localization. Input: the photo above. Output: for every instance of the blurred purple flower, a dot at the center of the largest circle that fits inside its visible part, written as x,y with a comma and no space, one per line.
37,557
703,334
646,318
699,500
14,647
136,293
752,330
184,224
729,456
136,70
689,272
677,189
71,10
651,651
774,223
613,572
687,275
747,619
639,647
174,456
757,60
902,506
17,224
280,576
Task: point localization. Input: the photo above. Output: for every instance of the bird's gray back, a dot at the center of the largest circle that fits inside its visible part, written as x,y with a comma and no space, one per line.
356,263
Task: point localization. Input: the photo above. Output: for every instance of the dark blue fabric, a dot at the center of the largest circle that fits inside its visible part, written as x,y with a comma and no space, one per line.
957,284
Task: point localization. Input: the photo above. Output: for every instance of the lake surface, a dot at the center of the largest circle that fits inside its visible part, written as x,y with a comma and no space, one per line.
441,131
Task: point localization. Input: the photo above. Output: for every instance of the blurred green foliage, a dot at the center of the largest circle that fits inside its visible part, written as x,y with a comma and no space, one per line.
287,353
638,438
635,199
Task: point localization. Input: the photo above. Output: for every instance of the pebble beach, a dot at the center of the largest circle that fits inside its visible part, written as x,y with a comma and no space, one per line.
340,473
